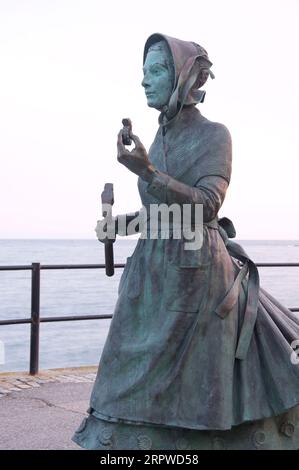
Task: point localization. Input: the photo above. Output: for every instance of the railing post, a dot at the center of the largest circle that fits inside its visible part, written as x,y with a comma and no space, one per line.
35,318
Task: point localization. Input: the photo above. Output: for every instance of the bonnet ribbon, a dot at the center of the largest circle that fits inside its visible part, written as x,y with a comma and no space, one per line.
188,79
226,305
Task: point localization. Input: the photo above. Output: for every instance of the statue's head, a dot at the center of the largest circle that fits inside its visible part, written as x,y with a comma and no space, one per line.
174,70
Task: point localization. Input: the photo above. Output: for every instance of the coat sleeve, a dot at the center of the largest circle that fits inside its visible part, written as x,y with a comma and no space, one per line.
213,171
209,191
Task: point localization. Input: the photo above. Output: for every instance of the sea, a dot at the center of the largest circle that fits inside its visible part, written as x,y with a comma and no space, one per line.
79,292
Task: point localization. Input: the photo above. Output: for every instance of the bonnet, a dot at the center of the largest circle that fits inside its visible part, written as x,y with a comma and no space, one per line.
191,69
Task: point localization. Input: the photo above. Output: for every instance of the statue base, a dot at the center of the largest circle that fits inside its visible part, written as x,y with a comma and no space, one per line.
275,433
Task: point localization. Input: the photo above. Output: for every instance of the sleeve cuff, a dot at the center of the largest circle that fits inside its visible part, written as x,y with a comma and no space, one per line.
158,186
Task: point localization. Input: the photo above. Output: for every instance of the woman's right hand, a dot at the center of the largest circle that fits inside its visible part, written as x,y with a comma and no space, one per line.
101,230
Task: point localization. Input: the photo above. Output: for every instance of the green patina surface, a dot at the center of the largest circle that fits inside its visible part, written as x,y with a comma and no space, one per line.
198,354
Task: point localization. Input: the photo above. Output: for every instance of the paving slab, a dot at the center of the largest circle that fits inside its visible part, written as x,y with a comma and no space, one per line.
45,416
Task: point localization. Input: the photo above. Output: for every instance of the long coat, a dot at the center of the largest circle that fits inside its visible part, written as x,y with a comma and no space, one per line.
194,341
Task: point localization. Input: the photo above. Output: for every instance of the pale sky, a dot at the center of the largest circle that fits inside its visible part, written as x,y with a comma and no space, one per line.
72,69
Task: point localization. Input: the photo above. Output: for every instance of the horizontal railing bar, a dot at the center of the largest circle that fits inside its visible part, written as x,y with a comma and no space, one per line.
59,266
120,265
15,321
78,266
75,318
20,321
277,265
16,268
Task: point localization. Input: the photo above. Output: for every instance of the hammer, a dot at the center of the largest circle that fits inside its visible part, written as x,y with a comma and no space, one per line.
108,198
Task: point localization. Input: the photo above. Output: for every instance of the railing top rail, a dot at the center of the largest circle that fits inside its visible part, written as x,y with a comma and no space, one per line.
116,265
57,266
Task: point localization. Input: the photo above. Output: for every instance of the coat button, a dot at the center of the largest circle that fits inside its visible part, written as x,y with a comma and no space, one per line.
287,428
144,442
182,444
259,438
219,444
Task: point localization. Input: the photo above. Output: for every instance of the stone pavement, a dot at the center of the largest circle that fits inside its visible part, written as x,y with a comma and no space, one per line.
42,412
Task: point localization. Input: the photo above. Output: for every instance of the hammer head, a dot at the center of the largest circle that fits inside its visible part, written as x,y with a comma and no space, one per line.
107,194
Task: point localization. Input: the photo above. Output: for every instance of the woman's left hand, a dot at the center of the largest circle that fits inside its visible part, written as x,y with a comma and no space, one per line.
135,160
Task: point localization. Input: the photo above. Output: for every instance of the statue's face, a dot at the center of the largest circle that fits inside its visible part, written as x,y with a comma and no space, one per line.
158,79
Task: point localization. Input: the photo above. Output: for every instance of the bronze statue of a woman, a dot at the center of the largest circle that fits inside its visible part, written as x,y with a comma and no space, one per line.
198,355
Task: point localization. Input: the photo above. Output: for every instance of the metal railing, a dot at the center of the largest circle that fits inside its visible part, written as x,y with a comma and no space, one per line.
35,318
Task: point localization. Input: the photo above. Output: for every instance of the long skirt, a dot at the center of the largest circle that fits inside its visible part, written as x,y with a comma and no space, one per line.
203,371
